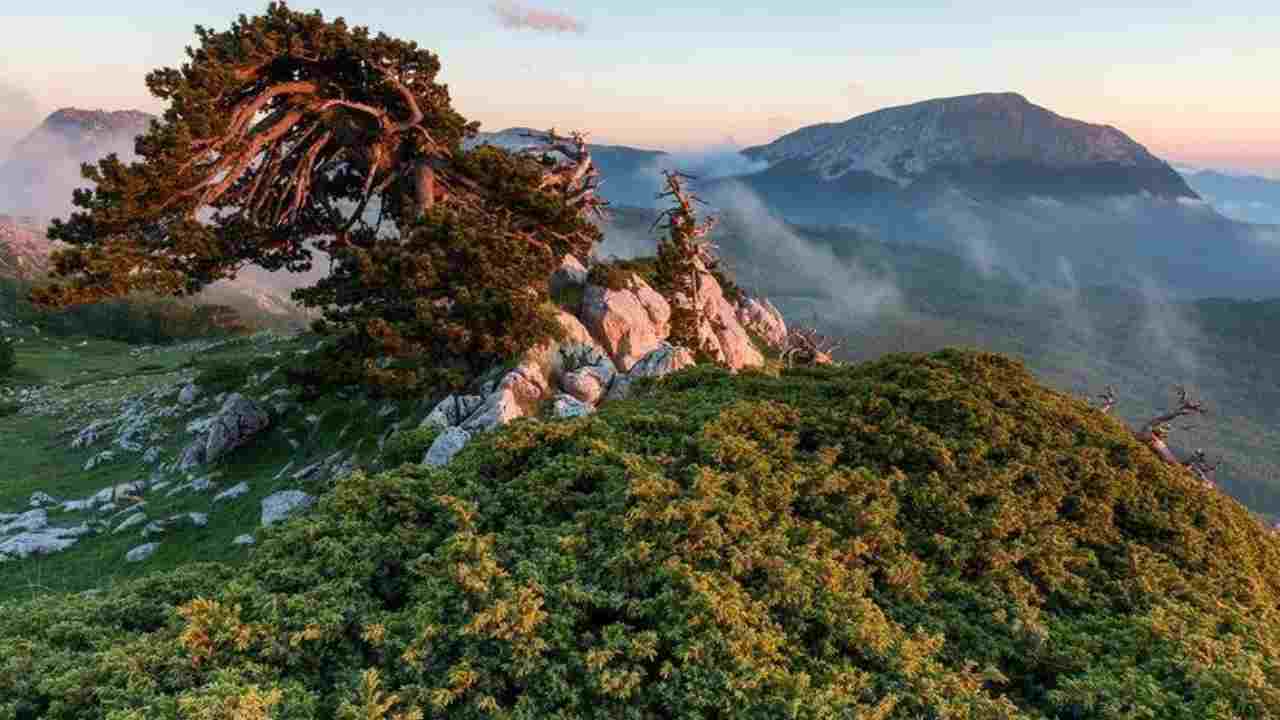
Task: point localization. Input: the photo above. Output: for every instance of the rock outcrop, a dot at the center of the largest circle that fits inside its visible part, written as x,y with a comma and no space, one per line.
663,360
446,445
629,322
238,420
760,317
719,332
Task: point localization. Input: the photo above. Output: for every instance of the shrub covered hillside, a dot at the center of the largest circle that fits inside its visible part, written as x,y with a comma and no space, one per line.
922,537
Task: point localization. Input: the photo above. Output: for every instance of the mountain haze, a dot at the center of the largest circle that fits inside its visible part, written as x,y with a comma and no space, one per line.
39,173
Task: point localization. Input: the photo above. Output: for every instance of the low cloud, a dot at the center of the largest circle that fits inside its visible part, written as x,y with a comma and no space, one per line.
19,114
517,16
765,251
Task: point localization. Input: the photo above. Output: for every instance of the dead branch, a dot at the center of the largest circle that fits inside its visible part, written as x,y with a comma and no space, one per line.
576,176
1108,398
806,346
1155,433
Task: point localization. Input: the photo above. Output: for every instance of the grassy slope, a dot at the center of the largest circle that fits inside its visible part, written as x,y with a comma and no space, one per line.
920,537
89,377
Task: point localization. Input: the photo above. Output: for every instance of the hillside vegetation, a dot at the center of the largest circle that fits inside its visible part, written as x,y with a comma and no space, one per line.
920,537
1078,340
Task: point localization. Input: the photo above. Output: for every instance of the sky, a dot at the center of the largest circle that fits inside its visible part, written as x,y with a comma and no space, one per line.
1193,81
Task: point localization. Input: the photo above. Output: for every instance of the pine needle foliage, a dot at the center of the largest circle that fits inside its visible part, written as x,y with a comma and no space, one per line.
921,537
289,136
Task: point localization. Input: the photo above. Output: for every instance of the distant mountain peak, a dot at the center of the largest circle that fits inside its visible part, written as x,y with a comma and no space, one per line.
40,171
904,143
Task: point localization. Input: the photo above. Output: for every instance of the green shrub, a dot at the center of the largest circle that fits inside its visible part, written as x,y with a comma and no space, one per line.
922,537
219,376
408,446
8,356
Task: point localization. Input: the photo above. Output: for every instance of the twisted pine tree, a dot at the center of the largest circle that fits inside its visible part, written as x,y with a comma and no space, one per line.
289,136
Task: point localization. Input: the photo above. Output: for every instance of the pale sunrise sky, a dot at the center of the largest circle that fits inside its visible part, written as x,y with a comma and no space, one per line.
1194,81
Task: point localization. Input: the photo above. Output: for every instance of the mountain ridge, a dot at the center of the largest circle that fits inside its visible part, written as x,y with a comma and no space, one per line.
907,143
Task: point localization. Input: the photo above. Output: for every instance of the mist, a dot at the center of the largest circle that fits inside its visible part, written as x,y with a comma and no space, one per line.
761,248
19,113
42,168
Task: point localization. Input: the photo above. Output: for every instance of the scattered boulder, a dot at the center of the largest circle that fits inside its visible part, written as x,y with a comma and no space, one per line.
44,541
446,446
628,323
587,372
132,521
90,434
142,552
175,522
41,499
189,393
278,506
31,520
453,410
105,456
238,421
232,492
664,360
517,395
567,406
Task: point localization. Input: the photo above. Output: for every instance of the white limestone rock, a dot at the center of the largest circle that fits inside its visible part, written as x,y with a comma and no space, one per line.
132,521
189,393
662,361
567,406
448,444
41,499
142,552
279,506
231,493
628,323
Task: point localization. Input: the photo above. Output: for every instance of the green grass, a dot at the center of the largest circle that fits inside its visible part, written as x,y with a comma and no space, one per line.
37,455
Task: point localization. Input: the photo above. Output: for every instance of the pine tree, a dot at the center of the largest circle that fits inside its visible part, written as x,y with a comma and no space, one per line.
289,136
685,256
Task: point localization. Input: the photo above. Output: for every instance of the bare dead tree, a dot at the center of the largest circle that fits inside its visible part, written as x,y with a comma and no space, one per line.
1108,398
806,346
1155,433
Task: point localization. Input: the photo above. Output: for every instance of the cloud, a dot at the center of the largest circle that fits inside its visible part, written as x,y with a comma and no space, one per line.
19,113
517,16
763,250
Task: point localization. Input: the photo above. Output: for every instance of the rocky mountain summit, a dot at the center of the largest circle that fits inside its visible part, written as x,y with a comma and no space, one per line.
905,144
43,168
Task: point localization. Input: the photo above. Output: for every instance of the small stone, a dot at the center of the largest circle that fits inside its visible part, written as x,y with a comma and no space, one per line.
41,499
446,446
30,521
232,492
131,521
278,506
243,540
142,552
188,394
567,406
